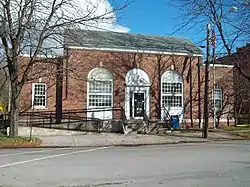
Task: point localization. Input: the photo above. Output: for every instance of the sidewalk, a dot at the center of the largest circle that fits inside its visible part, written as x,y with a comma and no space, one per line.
52,137
110,139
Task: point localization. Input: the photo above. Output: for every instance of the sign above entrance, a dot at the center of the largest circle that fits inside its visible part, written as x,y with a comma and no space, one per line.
137,77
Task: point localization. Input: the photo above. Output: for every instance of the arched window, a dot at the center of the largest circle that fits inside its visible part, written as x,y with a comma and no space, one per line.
100,88
172,92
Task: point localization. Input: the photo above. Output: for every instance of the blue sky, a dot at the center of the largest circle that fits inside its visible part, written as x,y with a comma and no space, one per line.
155,17
159,17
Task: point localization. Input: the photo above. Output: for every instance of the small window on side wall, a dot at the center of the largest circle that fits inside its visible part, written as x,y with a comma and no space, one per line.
39,95
218,98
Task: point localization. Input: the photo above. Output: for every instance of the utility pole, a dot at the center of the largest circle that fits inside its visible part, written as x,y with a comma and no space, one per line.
213,43
214,108
191,92
205,117
59,89
159,57
199,92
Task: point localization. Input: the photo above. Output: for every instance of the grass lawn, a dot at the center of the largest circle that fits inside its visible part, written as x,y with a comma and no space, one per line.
244,134
10,142
232,128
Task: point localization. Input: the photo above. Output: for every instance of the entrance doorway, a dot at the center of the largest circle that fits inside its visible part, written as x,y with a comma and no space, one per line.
137,94
137,104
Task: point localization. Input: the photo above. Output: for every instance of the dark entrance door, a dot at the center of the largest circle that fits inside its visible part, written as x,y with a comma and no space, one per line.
139,104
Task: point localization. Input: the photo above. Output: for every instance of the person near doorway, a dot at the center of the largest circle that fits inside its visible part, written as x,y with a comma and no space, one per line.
1,113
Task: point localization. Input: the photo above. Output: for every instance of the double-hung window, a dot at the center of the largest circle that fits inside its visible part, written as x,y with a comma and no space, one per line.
171,94
100,93
39,95
100,88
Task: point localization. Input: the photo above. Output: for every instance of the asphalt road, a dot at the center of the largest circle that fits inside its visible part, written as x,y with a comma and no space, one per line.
224,164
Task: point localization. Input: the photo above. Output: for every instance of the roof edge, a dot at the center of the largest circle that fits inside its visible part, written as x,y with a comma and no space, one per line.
136,51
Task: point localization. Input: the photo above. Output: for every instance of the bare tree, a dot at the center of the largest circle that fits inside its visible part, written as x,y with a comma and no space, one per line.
230,27
36,27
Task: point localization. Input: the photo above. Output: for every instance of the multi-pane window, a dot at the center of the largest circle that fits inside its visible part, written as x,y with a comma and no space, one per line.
100,100
100,93
39,95
171,94
100,88
171,87
172,101
218,97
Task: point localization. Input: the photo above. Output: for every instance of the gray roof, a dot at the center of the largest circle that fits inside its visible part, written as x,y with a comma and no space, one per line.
129,41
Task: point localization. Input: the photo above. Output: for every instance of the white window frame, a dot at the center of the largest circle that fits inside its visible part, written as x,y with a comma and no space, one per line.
33,96
101,94
111,80
172,77
171,94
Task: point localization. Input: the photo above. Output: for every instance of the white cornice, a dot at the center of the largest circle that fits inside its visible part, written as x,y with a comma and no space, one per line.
134,51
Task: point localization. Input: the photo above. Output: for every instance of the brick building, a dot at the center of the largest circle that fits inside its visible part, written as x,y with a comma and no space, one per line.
143,74
240,60
221,92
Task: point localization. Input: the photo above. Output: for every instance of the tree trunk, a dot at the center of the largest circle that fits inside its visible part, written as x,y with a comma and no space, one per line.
14,111
15,86
218,122
236,114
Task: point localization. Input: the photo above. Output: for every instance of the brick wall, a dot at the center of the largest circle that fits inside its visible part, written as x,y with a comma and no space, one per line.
43,71
81,62
119,64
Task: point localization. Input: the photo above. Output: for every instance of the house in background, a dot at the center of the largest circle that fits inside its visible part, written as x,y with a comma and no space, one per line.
221,92
240,64
146,75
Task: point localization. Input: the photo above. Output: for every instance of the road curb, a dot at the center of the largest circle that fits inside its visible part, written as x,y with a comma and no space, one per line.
34,147
114,145
124,144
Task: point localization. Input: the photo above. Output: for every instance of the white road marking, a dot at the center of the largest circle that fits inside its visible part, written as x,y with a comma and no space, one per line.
40,151
52,156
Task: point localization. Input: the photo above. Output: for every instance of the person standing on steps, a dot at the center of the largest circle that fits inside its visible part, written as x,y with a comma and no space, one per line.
1,114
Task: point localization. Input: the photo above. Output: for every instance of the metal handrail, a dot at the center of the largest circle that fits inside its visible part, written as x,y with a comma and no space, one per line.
72,111
166,112
69,116
166,117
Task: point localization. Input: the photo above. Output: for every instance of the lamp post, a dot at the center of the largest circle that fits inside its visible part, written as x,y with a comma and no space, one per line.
206,113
